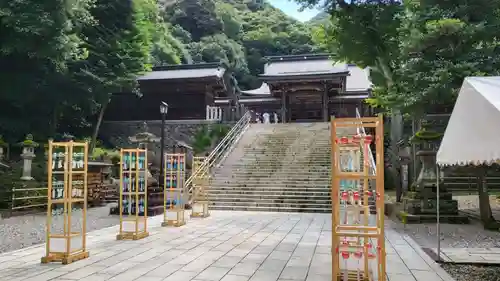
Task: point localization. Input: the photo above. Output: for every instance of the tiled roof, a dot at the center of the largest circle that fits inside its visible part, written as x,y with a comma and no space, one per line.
301,65
185,71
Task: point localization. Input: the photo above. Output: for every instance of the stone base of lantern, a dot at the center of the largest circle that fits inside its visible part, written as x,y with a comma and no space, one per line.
174,217
415,219
200,210
424,210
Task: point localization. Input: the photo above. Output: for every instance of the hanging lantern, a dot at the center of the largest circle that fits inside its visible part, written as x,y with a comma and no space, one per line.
356,196
345,254
358,254
344,140
368,192
345,195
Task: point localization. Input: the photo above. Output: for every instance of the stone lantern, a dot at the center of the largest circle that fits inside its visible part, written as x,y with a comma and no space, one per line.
147,140
420,202
3,145
28,154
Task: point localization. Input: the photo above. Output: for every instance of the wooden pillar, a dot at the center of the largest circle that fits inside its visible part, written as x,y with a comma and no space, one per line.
288,108
284,118
324,102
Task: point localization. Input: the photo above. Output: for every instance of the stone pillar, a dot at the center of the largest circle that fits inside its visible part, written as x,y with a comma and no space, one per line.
28,155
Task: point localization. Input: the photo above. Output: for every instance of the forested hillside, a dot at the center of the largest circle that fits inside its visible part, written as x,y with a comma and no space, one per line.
239,32
61,60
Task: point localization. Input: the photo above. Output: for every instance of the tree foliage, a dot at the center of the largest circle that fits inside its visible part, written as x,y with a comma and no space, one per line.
239,32
441,45
419,52
62,60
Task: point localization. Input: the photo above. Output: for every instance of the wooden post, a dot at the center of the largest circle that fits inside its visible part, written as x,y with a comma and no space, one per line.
324,102
284,118
67,169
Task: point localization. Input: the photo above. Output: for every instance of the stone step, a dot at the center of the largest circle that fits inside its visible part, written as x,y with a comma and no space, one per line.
264,169
257,195
274,185
263,200
293,209
271,189
263,178
270,193
274,204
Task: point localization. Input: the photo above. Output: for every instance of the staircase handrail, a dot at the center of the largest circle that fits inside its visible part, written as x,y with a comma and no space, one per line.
361,131
219,151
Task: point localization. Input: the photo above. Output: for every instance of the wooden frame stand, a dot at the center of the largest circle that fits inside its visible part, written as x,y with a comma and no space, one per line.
358,243
200,185
133,194
67,190
173,190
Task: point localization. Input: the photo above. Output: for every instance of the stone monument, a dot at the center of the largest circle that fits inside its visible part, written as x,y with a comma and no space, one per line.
420,202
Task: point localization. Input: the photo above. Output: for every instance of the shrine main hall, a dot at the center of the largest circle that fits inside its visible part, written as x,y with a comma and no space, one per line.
297,88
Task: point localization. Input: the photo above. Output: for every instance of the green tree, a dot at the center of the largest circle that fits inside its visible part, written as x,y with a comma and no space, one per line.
220,48
120,47
238,32
38,41
366,33
442,44
198,17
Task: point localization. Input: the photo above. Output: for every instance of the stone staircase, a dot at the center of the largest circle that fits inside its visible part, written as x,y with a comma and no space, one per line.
276,167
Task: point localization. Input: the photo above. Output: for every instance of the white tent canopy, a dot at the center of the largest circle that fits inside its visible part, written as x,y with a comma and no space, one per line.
472,136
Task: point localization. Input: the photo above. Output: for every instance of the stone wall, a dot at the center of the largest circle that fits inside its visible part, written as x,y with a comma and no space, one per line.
117,133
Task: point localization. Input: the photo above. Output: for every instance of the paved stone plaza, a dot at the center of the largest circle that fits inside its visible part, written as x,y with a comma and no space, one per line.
470,255
228,246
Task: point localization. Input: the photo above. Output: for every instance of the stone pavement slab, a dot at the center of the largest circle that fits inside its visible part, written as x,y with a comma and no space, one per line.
489,256
228,246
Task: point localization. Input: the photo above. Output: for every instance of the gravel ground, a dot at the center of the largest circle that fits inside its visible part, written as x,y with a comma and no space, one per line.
23,231
472,235
473,272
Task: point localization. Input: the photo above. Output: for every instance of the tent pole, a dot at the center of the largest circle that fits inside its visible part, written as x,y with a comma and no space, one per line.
438,228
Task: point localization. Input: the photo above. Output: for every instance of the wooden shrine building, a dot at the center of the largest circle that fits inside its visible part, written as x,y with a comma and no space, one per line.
308,88
297,88
187,89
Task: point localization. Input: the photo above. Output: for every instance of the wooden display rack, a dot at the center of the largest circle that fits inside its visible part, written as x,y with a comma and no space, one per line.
200,193
67,188
358,244
173,190
133,198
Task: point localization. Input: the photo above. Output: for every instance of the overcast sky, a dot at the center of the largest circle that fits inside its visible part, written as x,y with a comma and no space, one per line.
291,8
